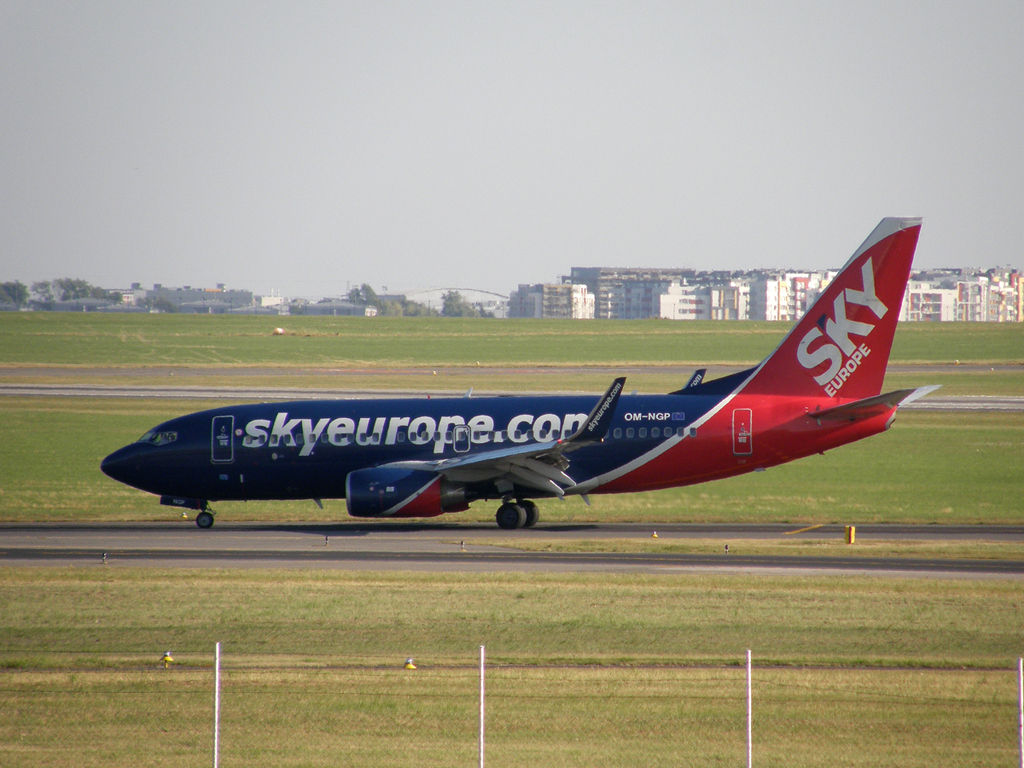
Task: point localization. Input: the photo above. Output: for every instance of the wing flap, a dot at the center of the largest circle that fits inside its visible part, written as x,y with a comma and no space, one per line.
534,480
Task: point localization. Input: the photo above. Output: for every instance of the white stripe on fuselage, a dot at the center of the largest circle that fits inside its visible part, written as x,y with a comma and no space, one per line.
587,486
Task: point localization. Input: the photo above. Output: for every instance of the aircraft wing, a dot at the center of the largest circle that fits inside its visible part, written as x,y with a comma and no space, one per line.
541,466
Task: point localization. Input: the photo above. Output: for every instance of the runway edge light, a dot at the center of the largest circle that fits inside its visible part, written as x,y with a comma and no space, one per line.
409,664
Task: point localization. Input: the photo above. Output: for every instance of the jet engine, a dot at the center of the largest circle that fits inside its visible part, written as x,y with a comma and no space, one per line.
395,492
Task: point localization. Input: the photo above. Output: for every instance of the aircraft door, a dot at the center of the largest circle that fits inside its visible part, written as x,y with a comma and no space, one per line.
222,450
742,432
461,438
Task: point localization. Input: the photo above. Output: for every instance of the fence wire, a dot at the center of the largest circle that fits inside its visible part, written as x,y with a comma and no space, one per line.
374,712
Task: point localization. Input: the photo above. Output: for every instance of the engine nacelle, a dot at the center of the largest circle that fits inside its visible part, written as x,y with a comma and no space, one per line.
391,492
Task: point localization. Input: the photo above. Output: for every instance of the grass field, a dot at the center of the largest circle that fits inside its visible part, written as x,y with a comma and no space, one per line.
584,669
544,716
551,716
587,669
454,355
96,617
90,339
454,382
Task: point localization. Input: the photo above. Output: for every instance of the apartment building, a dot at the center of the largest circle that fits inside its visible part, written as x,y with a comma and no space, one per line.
622,293
552,300
965,295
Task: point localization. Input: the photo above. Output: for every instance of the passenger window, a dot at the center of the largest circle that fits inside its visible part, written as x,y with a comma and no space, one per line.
617,433
655,432
642,432
401,435
629,432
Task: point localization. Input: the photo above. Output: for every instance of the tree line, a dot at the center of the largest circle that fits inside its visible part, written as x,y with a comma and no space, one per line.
46,293
452,305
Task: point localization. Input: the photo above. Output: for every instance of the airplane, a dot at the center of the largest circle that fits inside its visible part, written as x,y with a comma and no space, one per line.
423,457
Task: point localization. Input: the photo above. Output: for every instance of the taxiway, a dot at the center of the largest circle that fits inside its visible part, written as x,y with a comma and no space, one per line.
475,547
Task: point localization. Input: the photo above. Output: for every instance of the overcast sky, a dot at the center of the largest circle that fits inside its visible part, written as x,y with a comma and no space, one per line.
303,147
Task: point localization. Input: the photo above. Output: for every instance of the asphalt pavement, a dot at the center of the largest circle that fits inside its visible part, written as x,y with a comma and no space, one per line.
418,546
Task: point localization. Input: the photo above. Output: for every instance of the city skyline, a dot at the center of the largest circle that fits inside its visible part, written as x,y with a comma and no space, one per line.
949,294
555,280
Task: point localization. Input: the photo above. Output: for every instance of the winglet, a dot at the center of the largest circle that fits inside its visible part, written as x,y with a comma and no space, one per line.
695,381
596,425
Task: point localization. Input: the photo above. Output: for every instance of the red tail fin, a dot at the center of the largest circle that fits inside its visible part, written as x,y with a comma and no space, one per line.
840,348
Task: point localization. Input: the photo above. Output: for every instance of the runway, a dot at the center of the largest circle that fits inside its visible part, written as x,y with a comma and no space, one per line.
476,547
261,394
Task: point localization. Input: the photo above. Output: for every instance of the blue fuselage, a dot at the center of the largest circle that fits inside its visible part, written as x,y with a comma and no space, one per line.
305,449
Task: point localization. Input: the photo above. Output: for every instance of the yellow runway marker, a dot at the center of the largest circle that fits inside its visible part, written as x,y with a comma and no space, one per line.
804,530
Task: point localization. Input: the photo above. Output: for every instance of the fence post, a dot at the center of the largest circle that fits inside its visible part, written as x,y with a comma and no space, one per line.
216,706
481,707
750,744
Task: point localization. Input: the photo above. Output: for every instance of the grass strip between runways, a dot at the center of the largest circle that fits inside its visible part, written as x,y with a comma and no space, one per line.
99,615
583,670
836,547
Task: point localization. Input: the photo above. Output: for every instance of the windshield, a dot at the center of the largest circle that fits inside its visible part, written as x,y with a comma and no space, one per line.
153,437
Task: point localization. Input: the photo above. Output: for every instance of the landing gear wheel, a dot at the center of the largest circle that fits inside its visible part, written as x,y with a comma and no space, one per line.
204,520
532,513
510,516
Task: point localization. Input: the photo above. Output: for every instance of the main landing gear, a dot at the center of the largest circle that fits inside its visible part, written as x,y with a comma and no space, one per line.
517,514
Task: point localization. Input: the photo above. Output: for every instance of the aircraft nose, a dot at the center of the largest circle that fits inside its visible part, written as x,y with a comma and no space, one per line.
120,465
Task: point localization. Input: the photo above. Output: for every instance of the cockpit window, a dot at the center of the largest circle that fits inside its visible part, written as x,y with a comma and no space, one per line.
158,438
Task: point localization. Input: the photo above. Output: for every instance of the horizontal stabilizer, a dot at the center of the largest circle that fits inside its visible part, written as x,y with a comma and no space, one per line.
872,406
